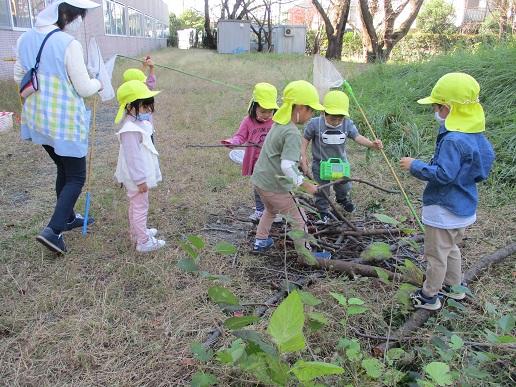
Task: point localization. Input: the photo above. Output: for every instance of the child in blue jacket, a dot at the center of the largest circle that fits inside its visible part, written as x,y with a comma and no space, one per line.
463,157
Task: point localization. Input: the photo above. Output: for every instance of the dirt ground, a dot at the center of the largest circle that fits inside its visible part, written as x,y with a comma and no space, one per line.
104,315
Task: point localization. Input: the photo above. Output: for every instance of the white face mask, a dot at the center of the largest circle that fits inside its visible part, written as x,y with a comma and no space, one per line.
74,25
332,126
439,119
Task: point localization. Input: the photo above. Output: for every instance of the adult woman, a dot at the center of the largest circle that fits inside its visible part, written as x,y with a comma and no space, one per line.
55,115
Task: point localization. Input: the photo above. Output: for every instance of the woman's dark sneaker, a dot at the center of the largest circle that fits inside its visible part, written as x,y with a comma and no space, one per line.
448,291
324,218
348,206
77,222
52,241
420,301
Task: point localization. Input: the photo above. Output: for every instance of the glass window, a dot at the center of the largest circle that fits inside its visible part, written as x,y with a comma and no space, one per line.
20,11
114,18
135,22
149,27
37,7
5,17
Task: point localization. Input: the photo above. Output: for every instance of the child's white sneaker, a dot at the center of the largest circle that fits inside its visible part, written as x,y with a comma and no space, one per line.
151,232
152,244
278,219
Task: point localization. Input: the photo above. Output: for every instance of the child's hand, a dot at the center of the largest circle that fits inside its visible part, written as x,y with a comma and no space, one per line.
143,187
406,162
309,187
149,62
227,143
377,144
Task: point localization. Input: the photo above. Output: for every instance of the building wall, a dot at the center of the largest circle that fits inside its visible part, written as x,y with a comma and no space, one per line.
294,44
233,36
93,26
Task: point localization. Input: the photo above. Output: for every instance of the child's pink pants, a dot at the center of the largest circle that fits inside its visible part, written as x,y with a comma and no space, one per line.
138,209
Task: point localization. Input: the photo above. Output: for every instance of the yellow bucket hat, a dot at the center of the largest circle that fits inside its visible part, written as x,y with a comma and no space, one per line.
297,93
134,75
336,102
129,92
265,95
460,92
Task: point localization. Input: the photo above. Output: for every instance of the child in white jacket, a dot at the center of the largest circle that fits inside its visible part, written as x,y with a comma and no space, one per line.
138,165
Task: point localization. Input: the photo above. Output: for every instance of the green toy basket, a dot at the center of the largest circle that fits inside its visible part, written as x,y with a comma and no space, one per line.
334,169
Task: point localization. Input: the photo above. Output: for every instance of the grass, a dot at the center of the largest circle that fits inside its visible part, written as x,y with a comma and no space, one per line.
103,315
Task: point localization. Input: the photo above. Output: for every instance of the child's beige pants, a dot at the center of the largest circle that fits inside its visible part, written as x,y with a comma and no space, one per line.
443,258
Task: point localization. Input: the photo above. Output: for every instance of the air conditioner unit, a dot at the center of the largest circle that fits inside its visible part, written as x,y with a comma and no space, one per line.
288,32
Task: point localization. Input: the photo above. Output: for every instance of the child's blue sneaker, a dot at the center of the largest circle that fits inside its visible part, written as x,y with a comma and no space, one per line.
321,254
52,241
77,222
262,245
420,301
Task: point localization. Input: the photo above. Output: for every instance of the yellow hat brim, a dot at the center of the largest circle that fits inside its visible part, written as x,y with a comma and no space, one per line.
267,104
121,108
428,101
316,106
336,112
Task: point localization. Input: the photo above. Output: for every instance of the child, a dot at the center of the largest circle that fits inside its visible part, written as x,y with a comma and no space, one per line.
328,134
278,159
138,165
253,130
463,157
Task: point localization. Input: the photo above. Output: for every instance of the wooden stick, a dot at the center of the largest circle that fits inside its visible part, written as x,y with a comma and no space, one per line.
420,316
340,215
347,179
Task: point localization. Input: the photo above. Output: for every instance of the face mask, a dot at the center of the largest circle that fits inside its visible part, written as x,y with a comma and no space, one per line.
332,126
74,25
438,118
144,117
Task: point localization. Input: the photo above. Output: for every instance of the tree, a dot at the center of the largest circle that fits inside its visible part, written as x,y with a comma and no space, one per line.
504,11
436,17
174,25
192,19
209,40
379,40
334,28
262,24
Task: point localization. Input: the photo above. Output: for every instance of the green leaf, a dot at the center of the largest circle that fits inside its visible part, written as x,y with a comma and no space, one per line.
232,354
221,295
506,323
256,341
188,249
491,309
356,309
382,275
351,348
187,265
306,371
412,272
403,295
394,354
200,352
373,367
200,379
225,248
355,301
286,324
316,320
386,219
303,252
196,241
267,369
457,305
240,322
475,373
308,298
456,342
376,251
439,373
296,234
340,298
506,339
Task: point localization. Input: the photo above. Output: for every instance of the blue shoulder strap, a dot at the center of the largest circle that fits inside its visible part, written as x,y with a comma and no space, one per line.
43,45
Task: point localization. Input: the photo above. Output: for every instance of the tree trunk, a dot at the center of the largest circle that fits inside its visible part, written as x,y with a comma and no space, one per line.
334,30
209,41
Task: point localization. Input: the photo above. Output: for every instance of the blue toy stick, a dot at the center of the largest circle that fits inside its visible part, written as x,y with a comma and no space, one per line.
88,176
86,214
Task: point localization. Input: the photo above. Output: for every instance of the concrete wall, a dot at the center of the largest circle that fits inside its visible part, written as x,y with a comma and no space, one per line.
233,36
295,43
94,27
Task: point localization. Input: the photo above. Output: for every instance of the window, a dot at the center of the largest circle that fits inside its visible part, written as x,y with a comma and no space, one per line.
5,17
37,7
20,12
114,18
149,27
135,22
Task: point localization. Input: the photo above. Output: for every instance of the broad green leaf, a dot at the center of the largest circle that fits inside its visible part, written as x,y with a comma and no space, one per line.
439,373
506,323
355,301
225,248
232,354
240,322
394,354
356,309
373,367
200,352
476,373
382,275
187,265
188,249
200,379
306,371
296,234
376,251
286,324
456,342
221,295
506,339
196,241
256,342
267,369
403,295
457,305
351,348
412,272
461,289
386,219
491,309
308,298
340,298
316,320
306,254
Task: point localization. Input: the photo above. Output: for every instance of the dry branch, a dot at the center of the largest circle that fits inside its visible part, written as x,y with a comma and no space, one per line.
420,317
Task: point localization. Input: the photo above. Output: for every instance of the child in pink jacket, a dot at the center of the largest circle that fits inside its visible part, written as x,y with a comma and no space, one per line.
253,130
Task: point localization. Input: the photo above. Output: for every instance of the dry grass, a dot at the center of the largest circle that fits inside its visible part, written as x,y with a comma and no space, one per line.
103,315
